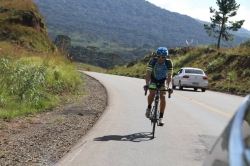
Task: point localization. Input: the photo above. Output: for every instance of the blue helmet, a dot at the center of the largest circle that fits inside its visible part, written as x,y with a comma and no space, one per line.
162,51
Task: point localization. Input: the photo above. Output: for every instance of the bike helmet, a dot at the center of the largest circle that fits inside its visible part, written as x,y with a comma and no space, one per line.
163,51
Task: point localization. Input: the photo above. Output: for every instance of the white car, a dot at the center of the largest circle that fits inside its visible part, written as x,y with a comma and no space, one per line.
188,77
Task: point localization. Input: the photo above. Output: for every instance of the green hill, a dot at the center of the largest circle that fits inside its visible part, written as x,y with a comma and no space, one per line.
122,23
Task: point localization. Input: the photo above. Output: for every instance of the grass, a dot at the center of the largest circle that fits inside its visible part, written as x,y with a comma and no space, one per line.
32,82
87,67
227,69
19,5
57,120
30,119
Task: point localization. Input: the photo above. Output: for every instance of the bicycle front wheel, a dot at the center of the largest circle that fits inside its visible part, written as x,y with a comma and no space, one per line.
154,120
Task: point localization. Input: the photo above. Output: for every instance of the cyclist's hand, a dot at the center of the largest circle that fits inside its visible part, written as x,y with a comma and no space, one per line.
170,90
145,87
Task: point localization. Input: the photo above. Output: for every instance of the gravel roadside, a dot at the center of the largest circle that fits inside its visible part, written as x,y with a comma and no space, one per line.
44,138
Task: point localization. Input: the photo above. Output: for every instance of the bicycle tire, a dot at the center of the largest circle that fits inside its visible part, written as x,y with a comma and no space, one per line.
154,118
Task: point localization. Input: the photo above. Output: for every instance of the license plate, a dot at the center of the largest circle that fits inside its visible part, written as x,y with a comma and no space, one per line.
195,83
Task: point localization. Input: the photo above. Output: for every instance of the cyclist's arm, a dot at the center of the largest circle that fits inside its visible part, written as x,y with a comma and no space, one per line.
169,82
149,71
170,73
148,76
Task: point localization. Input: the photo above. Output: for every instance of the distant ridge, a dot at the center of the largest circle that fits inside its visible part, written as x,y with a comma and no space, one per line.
126,23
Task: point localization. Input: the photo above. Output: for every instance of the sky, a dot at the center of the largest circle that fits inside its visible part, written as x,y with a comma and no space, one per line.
199,9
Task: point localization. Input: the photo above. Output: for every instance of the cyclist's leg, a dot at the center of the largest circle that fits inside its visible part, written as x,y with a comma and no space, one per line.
152,88
150,101
163,85
163,96
162,102
162,107
151,96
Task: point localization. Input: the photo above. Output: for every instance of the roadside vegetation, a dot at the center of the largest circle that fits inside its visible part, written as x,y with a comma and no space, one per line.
87,67
227,69
34,75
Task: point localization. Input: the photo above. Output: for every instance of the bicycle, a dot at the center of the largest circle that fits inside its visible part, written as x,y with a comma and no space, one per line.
155,112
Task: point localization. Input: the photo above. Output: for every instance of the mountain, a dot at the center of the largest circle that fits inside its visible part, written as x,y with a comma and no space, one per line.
124,23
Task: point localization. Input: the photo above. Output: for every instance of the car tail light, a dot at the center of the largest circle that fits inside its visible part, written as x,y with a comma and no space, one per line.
204,78
185,76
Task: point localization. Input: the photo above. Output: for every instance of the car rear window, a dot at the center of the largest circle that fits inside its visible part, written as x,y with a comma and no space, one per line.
194,71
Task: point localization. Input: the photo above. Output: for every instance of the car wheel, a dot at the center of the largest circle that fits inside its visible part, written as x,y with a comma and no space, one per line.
195,89
174,86
203,89
180,87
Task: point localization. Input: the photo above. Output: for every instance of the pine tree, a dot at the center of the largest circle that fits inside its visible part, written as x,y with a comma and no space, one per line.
219,28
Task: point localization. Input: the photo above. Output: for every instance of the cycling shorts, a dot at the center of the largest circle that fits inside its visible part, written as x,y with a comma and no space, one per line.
154,83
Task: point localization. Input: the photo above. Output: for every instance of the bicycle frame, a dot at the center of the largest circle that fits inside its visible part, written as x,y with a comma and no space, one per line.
154,114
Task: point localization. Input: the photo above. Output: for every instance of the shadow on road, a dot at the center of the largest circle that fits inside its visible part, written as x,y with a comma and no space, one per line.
137,137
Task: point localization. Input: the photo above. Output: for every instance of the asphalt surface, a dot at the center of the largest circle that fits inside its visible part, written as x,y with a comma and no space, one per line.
122,136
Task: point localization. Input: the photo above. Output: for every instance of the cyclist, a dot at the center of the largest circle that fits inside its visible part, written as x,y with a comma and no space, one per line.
159,70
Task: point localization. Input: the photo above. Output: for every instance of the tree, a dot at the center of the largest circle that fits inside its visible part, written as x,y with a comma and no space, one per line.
63,43
219,28
114,59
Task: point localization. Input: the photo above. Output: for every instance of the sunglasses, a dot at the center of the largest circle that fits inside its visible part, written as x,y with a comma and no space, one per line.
162,57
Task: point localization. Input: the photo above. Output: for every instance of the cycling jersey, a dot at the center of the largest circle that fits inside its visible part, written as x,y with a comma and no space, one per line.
160,71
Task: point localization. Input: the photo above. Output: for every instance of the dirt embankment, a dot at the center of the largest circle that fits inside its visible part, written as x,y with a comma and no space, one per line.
44,138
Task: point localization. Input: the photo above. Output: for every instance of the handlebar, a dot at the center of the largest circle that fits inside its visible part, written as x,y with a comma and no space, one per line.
169,94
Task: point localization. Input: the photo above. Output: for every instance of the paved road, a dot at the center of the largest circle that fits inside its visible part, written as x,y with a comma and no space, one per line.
121,137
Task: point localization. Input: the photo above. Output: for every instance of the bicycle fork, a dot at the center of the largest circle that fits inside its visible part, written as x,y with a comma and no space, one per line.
154,112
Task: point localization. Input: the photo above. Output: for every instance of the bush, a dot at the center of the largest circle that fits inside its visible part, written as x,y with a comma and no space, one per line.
216,77
28,85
